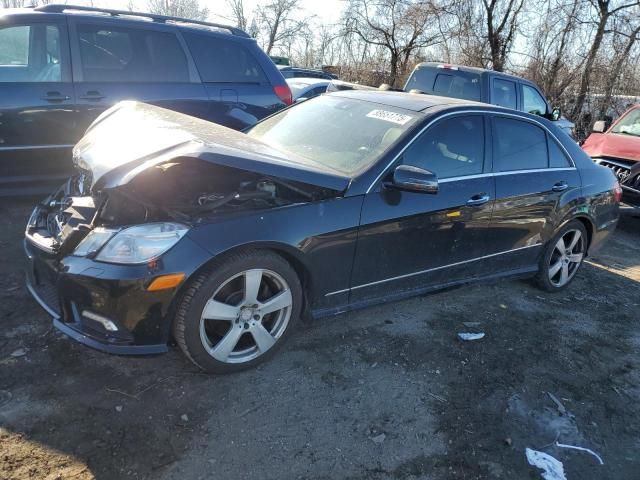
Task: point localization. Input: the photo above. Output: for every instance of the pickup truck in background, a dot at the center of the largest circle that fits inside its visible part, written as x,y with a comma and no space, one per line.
487,86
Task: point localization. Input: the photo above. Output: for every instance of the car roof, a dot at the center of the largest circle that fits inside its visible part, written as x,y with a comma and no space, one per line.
416,102
125,16
464,68
308,80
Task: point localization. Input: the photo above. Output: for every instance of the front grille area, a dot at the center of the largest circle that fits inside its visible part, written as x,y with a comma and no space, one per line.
623,171
47,294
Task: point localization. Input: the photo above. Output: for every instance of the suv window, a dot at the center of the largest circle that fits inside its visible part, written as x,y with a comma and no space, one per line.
532,101
503,93
458,86
223,61
519,145
114,54
453,147
30,53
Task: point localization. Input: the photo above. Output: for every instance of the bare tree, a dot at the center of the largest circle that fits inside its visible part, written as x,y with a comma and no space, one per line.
238,13
178,8
277,22
604,13
399,27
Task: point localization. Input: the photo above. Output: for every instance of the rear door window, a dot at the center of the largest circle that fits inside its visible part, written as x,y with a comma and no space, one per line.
532,101
518,145
114,54
503,93
30,53
452,148
458,85
223,61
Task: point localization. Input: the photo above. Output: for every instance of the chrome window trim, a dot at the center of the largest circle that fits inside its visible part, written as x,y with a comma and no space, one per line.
407,275
502,174
482,112
32,147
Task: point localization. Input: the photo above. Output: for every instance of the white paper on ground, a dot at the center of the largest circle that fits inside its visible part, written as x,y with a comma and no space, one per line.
552,469
470,336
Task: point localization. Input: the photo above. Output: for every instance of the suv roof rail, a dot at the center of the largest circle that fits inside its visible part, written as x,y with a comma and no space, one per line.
60,8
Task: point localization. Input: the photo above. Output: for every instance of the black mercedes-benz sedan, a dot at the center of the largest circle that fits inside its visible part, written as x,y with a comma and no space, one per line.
179,229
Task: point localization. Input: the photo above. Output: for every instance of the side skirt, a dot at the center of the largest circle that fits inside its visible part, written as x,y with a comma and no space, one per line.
525,272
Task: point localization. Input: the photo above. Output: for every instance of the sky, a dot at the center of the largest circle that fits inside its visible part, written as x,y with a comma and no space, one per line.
326,11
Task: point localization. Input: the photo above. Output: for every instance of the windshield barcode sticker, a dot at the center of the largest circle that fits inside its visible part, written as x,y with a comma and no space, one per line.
392,117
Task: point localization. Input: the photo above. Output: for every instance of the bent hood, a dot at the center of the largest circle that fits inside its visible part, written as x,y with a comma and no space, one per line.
613,145
132,137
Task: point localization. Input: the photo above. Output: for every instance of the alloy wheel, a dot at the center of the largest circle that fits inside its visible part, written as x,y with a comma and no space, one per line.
566,257
246,316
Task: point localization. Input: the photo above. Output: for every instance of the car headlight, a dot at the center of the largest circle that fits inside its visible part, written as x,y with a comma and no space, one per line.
138,244
94,240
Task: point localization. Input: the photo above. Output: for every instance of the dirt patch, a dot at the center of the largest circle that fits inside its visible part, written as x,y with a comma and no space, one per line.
387,392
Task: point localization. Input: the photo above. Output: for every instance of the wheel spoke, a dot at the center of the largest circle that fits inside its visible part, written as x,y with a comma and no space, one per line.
252,280
574,240
560,246
564,275
263,338
225,346
575,257
277,302
555,268
215,310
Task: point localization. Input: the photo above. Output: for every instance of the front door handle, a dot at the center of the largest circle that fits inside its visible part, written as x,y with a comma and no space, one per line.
477,200
560,186
92,95
55,97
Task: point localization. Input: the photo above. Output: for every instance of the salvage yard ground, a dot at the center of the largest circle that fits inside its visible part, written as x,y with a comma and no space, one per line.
388,392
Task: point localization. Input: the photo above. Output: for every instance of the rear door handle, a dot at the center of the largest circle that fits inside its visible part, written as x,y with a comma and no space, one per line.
560,186
55,97
477,200
92,95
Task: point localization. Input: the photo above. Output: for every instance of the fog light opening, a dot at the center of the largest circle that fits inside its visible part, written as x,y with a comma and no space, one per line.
105,322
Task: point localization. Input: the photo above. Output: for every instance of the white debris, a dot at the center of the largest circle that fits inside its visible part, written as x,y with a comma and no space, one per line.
118,408
470,336
573,447
379,438
184,417
552,469
21,352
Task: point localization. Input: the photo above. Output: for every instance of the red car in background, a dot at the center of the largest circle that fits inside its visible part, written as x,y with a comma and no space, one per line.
619,149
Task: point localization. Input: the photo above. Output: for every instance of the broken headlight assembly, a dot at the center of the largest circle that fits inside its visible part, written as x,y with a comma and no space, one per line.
132,245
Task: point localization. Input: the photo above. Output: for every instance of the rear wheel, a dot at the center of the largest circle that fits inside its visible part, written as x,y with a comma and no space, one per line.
563,257
237,313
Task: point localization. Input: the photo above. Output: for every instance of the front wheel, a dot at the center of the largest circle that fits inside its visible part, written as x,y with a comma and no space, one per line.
234,315
563,257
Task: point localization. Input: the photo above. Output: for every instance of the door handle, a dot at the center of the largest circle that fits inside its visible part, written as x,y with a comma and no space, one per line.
55,97
92,96
560,186
477,200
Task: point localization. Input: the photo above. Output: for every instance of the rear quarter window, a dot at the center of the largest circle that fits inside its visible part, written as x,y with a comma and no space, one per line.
223,61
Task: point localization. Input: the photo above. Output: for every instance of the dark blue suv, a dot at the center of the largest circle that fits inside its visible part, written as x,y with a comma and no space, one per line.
62,65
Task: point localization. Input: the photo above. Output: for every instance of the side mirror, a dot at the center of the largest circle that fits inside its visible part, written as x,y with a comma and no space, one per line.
414,179
599,127
556,113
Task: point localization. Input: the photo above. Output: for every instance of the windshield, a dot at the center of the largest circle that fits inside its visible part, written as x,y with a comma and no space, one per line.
629,124
342,134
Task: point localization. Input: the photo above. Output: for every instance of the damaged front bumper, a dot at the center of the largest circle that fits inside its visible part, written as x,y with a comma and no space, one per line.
107,306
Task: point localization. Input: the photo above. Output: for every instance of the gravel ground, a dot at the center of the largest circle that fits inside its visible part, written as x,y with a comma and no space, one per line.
387,392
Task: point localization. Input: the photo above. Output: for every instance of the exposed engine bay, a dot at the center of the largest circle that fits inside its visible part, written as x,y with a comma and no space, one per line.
184,189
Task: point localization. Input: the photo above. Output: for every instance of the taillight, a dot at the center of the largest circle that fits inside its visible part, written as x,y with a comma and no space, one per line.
284,93
617,192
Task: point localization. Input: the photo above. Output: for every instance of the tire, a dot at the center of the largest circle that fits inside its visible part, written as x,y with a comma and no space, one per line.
558,268
225,320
